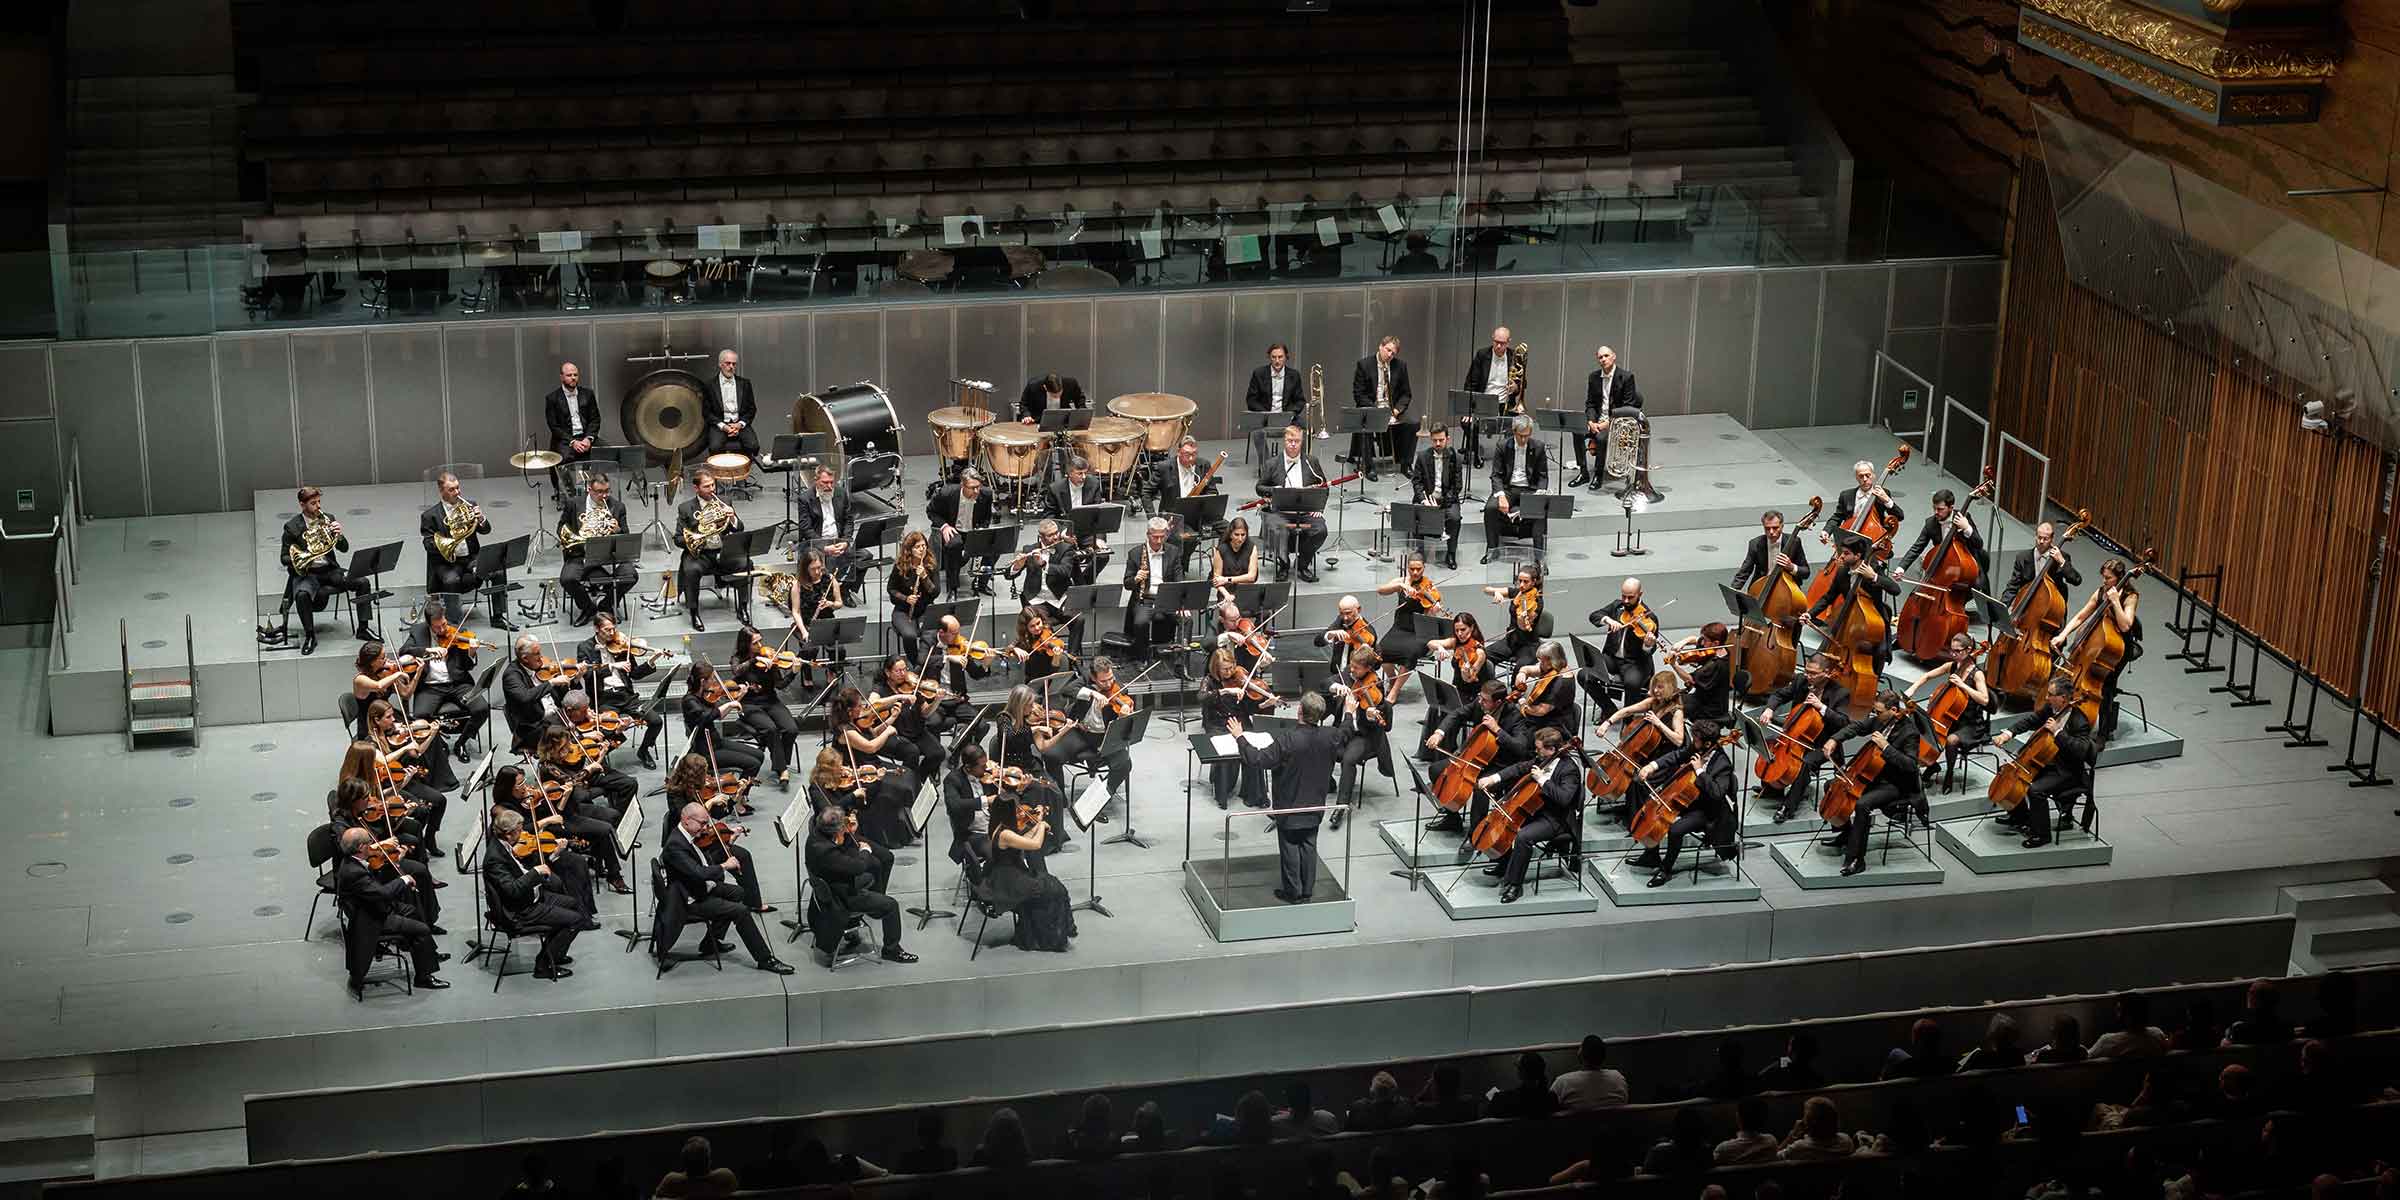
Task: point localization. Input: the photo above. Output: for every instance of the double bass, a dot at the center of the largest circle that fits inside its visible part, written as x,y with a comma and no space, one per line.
2023,654
1933,613
1855,632
1867,522
2095,650
1768,651
1668,802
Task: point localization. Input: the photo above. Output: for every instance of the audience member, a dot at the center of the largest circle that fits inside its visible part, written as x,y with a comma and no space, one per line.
793,1163
1530,1098
1605,1160
1731,1080
1004,1146
1922,1058
2260,1023
932,1154
697,1177
1320,1183
1384,1180
2065,1044
1750,1141
1300,1117
2337,1007
1909,1133
1685,1150
1442,1100
533,1179
1149,1134
2134,1035
1464,1180
1999,1048
2199,1028
1817,1135
1252,1122
1593,1086
1383,1107
1093,1137
1797,1070
2237,1094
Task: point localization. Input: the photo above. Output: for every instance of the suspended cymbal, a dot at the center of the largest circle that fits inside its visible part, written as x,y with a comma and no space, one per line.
535,460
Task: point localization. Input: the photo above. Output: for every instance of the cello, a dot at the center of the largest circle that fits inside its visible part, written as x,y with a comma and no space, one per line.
1949,704
1622,762
1855,632
2098,647
2023,654
1779,768
1768,651
1866,521
1933,613
1667,803
1497,834
1840,800
1454,788
2014,781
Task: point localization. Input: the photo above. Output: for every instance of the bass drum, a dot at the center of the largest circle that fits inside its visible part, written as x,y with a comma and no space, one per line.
860,418
662,411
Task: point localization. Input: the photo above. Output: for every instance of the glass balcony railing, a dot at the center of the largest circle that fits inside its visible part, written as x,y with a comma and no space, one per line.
425,277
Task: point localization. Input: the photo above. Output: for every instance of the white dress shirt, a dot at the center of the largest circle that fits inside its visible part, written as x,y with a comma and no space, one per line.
1295,472
1495,378
574,413
1275,390
1608,384
729,395
1516,471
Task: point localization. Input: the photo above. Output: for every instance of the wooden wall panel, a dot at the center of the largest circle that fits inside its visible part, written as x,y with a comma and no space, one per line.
2382,696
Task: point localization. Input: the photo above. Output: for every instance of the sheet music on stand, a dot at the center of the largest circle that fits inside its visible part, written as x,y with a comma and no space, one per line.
1223,743
792,823
628,832
1087,805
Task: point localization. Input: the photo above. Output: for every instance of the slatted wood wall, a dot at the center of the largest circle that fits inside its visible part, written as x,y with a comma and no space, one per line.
2170,444
2382,696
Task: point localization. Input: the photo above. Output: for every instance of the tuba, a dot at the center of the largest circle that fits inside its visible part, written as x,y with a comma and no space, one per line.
1316,399
1516,373
316,541
1624,447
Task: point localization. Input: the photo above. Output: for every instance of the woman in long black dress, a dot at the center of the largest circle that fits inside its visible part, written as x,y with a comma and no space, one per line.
863,737
1233,562
763,710
1020,883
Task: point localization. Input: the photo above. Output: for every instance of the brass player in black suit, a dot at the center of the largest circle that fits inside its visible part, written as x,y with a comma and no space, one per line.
310,540
1438,476
1382,378
1519,466
702,523
1301,765
596,514
452,531
1293,467
1608,388
1488,372
1711,815
1278,388
731,405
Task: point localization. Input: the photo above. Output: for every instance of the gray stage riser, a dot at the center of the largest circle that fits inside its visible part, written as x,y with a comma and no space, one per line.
1988,848
1228,920
1627,886
1816,867
1475,896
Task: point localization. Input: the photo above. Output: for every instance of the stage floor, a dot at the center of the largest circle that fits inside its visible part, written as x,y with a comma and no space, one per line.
157,898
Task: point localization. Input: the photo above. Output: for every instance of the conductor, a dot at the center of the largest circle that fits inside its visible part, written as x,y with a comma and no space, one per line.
1301,759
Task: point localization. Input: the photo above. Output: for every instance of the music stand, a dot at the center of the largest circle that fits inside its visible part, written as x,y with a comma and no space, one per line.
1252,428
1094,521
1371,421
839,633
1085,598
1418,524
1543,508
1055,421
492,565
1122,733
1428,626
1084,810
612,551
1205,511
1260,599
370,563
1480,407
1311,674
868,474
1181,597
1566,423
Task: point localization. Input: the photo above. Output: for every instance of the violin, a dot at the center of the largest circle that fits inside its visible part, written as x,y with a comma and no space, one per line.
540,844
394,776
385,853
1933,613
1047,642
721,833
459,639
1426,593
782,660
2024,652
853,778
1692,654
963,651
622,646
1118,700
1669,801
873,712
719,692
722,789
1468,652
551,670
1526,608
1254,688
384,810
1642,621
1524,689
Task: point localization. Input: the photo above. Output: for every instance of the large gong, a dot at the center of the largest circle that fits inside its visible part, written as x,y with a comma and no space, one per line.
663,411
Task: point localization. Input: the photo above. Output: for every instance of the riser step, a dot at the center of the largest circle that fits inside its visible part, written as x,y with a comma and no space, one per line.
2351,935
2347,898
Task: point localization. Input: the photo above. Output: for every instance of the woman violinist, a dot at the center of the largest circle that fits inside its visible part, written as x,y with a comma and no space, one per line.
817,598
757,668
577,862
1661,713
354,805
1038,646
1470,659
401,751
1818,686
711,709
1544,690
1524,601
1017,877
924,710
1704,662
2117,603
1418,594
1025,733
379,676
1961,670
1234,695
690,781
1233,561
1367,696
862,732
913,586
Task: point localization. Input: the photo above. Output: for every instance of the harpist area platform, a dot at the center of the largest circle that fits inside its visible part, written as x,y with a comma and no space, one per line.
159,900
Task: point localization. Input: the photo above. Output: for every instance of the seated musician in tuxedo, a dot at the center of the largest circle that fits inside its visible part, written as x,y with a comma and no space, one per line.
571,412
1179,476
2046,552
2063,780
536,896
575,715
1381,378
1628,657
1437,477
525,701
381,902
1048,567
1607,389
953,511
616,666
1148,567
448,686
850,875
313,577
589,830
967,802
1293,468
1947,517
592,586
699,875
825,515
1818,686
1076,489
1089,713
731,406
450,572
702,524
1275,388
1711,815
1868,491
1560,779
1512,738
1488,372
1772,550
1045,392
1855,571
1520,467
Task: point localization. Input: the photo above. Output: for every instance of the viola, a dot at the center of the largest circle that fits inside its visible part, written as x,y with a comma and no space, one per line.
1668,801
459,639
2023,653
385,853
717,691
1361,633
1526,608
1469,653
718,833
964,651
1933,613
781,660
1692,654
1497,834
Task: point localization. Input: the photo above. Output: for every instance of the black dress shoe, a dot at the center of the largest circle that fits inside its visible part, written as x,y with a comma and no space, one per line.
713,946
1371,475
1487,557
2066,821
1450,562
308,645
1496,870
566,960
1308,574
1338,814
1282,895
777,966
545,972
898,955
437,931
1648,858
1854,866
698,625
358,990
1659,877
433,983
1509,894
1579,480
589,925
441,956
2035,841
648,760
1448,822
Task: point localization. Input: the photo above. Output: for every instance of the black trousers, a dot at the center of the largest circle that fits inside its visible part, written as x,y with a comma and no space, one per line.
866,902
629,704
557,919
1497,525
1516,647
1310,528
1296,855
416,935
923,754
1078,744
453,580
1146,625
776,729
1692,821
953,559
724,905
1627,676
595,587
1403,438
618,787
745,442
1357,748
311,588
731,755
2057,786
1450,524
1226,778
716,564
1530,838
458,697
1878,797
